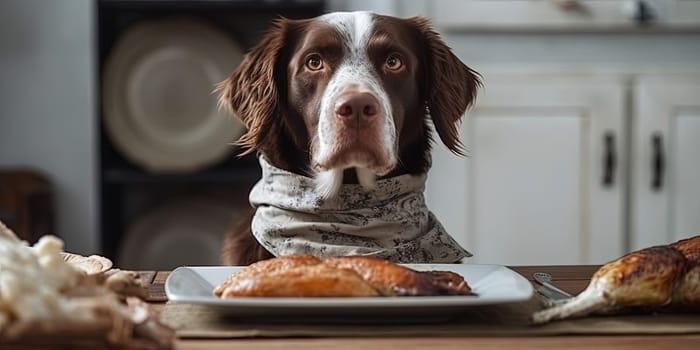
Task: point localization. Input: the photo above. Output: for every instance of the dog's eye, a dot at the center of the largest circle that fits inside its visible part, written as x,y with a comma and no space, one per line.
314,62
393,62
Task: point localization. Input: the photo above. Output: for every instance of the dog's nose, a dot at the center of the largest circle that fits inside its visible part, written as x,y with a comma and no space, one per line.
356,105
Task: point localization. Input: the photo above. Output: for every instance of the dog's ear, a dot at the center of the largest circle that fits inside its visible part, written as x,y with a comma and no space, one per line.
253,91
449,87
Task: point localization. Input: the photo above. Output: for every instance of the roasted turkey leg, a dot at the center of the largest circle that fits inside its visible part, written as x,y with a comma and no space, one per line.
655,276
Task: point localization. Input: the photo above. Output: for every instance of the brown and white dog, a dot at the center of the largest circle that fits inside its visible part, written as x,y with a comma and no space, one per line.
345,98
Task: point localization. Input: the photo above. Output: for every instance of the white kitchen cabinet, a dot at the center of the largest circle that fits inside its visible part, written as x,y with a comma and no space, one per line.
665,192
532,190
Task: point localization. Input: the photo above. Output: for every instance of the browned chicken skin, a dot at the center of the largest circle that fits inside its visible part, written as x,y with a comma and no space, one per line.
655,276
309,276
687,289
392,279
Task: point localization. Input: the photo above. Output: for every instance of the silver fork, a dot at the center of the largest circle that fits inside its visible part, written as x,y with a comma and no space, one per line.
552,294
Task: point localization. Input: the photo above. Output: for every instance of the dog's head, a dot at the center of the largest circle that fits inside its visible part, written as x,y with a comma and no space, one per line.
349,90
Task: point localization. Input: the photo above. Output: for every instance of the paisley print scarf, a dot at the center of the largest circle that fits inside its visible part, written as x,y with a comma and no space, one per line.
391,221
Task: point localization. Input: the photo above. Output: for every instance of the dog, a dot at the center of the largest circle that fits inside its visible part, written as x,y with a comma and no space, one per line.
341,110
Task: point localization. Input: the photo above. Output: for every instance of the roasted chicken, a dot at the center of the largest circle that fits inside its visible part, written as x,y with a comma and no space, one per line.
653,277
354,276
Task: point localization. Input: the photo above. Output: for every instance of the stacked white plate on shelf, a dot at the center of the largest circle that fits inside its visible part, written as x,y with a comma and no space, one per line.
158,105
184,231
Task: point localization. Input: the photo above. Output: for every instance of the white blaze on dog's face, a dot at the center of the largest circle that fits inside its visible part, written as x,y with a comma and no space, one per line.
355,123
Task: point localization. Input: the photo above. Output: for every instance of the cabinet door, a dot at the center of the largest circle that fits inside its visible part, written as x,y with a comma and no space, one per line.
532,189
665,160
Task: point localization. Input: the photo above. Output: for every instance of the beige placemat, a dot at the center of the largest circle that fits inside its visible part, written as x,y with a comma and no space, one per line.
193,321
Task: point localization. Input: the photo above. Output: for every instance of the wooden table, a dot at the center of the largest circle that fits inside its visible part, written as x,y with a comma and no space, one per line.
570,278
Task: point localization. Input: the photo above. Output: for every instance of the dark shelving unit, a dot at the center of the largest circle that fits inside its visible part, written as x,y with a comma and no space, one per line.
125,189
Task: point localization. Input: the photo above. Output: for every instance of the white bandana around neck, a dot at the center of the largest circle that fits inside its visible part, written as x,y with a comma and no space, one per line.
390,221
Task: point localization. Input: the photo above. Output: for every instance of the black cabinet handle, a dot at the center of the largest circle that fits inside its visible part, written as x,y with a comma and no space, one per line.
644,12
658,162
609,159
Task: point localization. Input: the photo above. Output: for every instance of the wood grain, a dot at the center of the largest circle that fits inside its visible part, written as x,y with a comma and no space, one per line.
156,291
686,342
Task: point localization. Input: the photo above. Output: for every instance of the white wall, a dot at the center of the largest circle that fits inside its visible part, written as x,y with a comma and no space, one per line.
47,106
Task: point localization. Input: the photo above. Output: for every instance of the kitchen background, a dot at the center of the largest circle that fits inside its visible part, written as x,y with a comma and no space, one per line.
583,143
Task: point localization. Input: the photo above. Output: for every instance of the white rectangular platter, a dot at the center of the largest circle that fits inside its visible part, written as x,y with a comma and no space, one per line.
492,284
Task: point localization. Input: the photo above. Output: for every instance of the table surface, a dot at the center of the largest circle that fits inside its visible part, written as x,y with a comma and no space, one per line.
570,278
